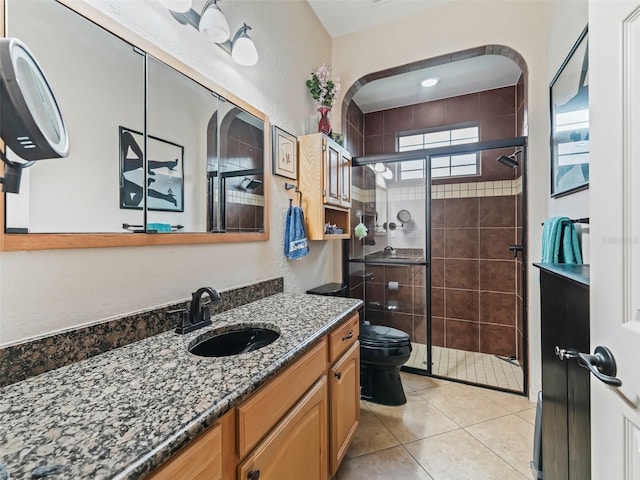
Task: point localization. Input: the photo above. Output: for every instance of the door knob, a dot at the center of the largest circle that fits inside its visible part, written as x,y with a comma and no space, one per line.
602,364
254,475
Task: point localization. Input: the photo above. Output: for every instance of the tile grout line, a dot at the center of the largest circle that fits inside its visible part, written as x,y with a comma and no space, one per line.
491,449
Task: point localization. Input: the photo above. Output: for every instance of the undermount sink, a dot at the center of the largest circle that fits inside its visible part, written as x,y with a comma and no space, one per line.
233,342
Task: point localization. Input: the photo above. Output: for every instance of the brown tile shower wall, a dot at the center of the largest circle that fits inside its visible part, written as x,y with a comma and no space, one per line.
243,149
493,110
355,130
404,308
474,274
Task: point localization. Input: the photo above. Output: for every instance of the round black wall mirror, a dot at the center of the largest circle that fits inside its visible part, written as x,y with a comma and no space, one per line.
32,124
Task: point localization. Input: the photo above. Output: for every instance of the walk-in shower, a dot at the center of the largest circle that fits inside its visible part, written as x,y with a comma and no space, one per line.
440,260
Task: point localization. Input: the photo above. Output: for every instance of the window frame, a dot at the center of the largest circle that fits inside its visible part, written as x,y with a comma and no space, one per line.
444,128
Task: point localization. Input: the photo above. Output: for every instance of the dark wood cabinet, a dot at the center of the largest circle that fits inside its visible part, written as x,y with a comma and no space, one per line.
566,437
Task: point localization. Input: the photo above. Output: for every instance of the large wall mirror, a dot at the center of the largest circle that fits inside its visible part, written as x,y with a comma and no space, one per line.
197,171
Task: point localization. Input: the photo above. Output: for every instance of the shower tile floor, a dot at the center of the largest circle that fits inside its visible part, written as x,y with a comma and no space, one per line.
480,368
445,431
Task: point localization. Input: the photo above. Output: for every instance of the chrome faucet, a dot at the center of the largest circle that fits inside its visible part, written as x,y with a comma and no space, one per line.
388,250
199,314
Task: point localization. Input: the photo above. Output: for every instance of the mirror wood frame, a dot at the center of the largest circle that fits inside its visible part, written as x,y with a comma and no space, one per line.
54,241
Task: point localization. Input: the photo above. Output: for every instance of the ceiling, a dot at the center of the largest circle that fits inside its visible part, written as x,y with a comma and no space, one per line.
341,17
471,75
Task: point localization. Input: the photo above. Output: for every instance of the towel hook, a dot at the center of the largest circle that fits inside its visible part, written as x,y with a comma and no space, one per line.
289,186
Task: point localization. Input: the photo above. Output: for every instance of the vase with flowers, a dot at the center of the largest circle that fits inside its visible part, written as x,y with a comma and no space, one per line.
324,91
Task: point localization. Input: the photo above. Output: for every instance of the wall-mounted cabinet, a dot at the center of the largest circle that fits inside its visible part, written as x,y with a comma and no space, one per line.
325,182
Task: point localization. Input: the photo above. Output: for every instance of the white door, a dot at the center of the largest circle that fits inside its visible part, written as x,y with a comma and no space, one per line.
614,90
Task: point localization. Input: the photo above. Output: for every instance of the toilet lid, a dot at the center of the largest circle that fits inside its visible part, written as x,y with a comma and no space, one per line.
382,335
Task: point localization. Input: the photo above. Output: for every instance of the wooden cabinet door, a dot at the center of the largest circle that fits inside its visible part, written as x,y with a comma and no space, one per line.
200,460
297,446
332,166
345,404
345,173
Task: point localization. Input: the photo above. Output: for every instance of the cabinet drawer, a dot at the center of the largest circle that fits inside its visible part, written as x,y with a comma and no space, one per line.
263,410
199,460
344,337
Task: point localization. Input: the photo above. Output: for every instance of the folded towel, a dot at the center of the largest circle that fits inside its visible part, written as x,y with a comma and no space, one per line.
295,236
159,227
560,242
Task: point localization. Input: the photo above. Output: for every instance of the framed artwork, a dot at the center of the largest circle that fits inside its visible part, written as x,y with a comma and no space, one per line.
165,173
285,154
569,96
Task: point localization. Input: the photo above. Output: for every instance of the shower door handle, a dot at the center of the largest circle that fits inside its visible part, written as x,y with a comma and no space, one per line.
515,249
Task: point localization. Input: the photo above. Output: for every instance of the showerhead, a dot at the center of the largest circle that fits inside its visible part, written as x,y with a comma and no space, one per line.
249,184
509,160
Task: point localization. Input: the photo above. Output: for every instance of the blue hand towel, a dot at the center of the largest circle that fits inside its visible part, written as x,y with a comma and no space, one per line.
295,236
159,227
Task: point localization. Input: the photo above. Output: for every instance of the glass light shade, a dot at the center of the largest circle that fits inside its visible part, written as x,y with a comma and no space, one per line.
387,174
379,167
214,25
244,51
177,5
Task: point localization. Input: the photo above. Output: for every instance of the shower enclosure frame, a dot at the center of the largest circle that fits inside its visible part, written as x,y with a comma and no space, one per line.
426,155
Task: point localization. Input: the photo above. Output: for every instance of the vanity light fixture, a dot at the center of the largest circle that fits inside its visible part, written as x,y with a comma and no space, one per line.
430,82
212,23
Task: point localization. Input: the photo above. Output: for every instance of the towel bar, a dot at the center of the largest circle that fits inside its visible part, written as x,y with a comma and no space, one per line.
128,226
576,220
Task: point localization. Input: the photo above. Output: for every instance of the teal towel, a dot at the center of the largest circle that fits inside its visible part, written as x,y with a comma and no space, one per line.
570,245
551,236
159,227
560,242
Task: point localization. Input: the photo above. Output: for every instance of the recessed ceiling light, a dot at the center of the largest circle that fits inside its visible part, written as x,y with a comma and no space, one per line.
429,82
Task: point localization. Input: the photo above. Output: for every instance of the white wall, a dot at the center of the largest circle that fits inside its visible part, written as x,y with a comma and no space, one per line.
566,22
46,291
460,26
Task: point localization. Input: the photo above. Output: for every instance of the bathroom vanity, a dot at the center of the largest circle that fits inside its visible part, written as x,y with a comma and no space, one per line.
566,418
151,408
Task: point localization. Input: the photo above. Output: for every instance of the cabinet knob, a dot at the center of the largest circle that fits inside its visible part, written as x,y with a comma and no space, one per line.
253,475
338,375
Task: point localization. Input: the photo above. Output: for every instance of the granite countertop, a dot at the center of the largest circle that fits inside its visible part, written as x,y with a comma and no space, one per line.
123,413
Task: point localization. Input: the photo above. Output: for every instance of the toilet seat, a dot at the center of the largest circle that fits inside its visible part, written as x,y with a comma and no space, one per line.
382,336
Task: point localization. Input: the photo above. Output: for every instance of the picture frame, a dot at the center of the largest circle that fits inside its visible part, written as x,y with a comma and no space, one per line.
165,172
569,117
284,154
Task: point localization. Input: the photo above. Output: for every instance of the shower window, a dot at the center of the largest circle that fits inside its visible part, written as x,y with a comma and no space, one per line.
444,166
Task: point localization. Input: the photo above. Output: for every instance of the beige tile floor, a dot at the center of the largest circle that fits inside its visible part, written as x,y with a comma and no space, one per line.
475,367
446,431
